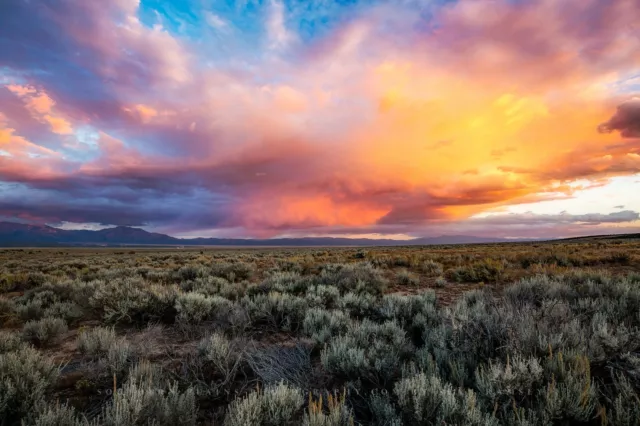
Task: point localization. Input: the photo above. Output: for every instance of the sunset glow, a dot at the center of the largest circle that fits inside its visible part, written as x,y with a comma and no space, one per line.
295,118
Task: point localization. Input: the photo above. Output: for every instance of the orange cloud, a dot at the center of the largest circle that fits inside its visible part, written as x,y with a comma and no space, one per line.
41,106
287,211
17,146
144,112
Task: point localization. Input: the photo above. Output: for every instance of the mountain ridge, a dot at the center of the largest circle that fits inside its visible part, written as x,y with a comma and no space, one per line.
13,234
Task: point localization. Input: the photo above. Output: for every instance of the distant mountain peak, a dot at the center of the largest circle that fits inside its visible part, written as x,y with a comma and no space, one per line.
18,234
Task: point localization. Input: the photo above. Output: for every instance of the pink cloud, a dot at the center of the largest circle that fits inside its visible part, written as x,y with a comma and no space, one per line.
41,107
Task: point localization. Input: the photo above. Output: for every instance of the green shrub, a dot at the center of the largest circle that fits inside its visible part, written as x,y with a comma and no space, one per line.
6,310
360,277
382,409
619,258
10,341
233,272
29,310
322,325
193,308
358,305
25,378
404,308
487,270
625,407
58,415
432,268
119,357
283,282
190,273
368,351
96,341
144,372
134,301
427,400
217,350
276,405
209,286
143,404
571,394
69,311
517,379
408,278
415,313
44,332
279,310
213,366
246,411
323,296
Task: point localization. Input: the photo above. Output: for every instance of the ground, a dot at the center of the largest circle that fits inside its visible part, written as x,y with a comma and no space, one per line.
217,324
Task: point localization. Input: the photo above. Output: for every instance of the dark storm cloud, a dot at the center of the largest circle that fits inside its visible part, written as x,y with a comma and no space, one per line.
626,120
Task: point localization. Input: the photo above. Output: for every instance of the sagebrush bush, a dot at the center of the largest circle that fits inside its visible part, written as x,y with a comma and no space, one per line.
284,282
96,342
517,379
428,400
143,403
147,373
190,273
119,356
571,393
322,325
337,413
25,378
44,332
10,341
367,351
382,408
274,406
432,268
213,286
325,296
625,406
408,278
236,271
69,311
414,313
134,301
281,404
279,310
214,364
360,277
58,415
218,350
487,270
193,308
7,310
358,305
32,305
441,282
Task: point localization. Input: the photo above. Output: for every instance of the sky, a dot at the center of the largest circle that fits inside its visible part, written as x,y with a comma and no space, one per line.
272,118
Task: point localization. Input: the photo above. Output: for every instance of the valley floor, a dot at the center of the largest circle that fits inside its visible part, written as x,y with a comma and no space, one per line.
490,334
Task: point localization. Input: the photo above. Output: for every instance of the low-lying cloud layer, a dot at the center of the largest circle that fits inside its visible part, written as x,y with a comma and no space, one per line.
296,121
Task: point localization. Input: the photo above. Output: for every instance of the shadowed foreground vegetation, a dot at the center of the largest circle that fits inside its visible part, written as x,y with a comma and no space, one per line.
511,334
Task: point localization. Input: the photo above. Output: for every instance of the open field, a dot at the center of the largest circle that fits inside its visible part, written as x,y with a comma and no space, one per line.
502,334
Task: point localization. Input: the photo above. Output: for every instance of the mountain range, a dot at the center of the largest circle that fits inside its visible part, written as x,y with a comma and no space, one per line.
22,235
